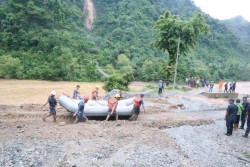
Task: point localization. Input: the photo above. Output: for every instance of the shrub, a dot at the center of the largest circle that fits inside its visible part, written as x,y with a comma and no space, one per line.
117,81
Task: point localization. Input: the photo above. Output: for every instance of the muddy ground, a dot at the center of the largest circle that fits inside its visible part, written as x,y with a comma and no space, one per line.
177,129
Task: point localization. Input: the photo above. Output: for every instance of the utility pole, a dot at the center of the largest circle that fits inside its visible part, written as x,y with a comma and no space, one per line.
176,64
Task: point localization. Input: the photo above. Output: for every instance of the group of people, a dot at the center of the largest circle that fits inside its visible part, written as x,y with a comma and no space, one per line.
196,82
229,87
235,113
79,115
193,81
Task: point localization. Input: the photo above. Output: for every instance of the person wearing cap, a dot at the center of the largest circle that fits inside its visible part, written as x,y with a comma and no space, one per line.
112,104
52,106
245,105
76,92
95,93
248,122
230,116
138,102
79,114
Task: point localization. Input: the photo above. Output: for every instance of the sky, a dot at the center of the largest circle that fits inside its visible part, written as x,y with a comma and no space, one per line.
225,9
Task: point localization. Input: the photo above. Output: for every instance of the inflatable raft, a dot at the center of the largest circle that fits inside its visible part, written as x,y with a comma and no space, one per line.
96,107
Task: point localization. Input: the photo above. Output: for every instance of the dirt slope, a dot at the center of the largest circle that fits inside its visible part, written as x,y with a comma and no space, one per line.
89,9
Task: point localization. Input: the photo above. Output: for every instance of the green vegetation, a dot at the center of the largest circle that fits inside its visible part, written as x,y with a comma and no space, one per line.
117,81
171,28
48,40
45,40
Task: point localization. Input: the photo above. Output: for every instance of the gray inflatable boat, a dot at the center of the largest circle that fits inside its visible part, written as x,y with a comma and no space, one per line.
96,107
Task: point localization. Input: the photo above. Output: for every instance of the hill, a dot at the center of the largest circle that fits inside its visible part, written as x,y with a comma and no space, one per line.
50,40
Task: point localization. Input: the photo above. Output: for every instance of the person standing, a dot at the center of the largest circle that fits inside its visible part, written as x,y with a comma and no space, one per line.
112,104
239,112
245,105
248,122
230,87
79,114
95,93
234,87
230,116
76,92
52,106
198,82
138,102
211,87
220,86
161,87
226,88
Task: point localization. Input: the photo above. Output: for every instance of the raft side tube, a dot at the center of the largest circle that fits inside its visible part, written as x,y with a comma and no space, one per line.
94,108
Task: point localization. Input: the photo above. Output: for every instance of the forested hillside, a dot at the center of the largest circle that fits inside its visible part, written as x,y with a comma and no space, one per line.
49,40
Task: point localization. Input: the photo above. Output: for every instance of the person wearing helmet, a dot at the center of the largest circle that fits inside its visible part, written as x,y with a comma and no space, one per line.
95,93
52,106
112,104
79,114
76,92
138,102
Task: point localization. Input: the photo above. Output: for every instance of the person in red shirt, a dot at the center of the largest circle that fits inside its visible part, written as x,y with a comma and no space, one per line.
138,102
112,104
95,93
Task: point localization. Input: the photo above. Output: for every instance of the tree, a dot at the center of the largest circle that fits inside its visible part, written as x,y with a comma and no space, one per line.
171,27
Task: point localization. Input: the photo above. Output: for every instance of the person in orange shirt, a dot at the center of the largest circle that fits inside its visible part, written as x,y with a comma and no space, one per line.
220,85
112,104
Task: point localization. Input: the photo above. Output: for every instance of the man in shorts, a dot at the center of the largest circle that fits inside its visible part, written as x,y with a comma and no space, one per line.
79,114
138,102
52,106
112,104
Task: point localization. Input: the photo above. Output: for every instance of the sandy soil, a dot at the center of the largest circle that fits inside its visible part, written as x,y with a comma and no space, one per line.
177,129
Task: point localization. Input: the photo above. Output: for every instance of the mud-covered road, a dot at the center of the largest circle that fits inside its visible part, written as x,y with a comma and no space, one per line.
177,129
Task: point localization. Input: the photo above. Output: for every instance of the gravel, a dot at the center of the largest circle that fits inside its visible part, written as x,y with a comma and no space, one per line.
207,145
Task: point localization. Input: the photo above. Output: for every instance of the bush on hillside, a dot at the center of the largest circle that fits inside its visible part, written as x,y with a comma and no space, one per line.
117,81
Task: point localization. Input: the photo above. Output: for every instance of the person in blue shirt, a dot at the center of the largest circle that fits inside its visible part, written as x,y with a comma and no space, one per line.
161,87
76,92
211,87
52,106
80,113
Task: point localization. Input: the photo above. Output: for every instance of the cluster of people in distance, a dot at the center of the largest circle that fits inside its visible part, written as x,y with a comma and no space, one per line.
112,105
229,87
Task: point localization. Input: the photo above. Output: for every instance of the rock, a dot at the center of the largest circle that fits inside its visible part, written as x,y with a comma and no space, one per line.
20,131
62,124
18,126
